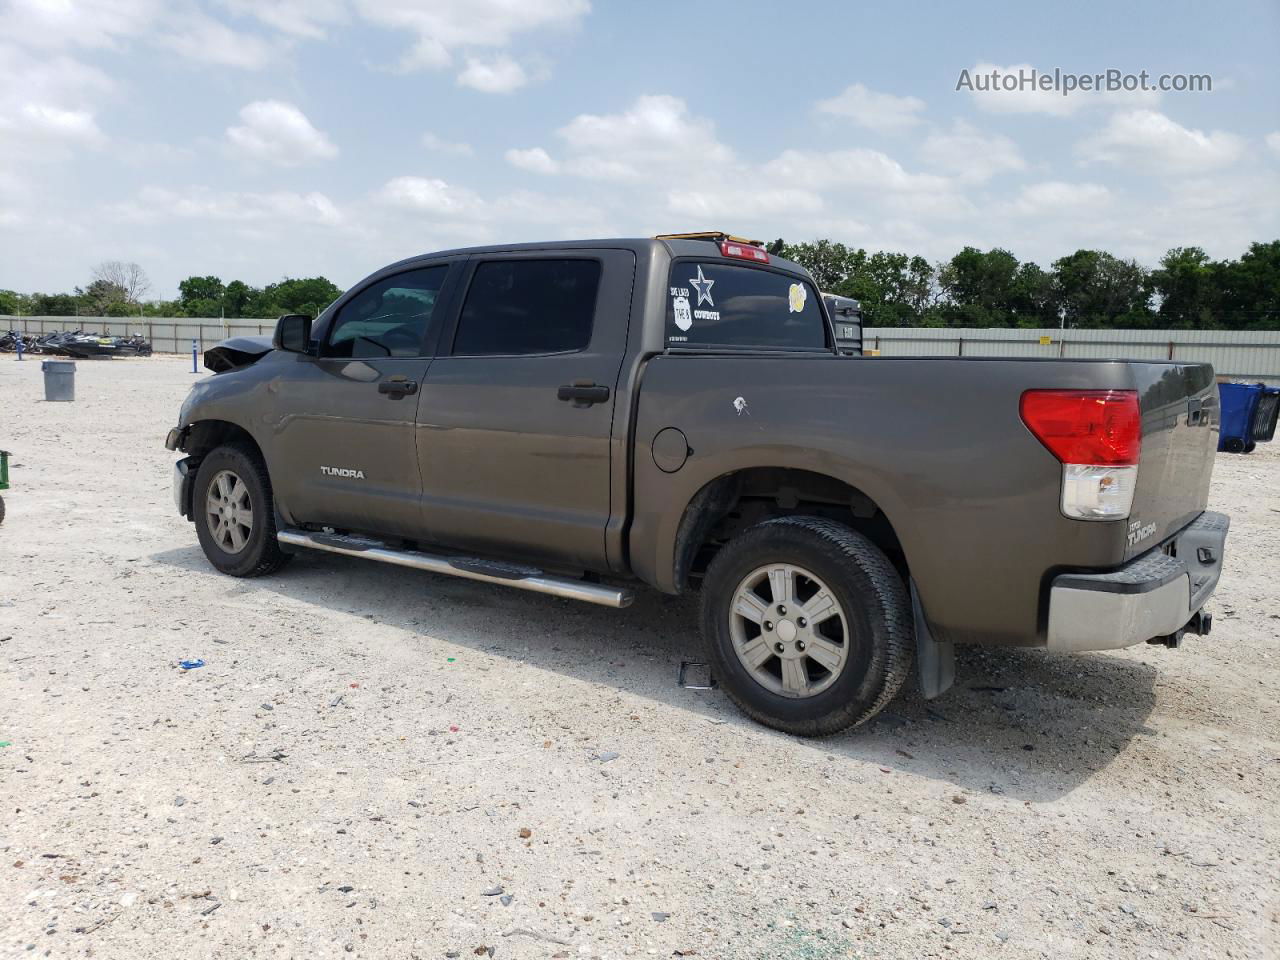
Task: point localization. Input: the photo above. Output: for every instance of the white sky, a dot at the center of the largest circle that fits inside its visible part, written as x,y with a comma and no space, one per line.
255,139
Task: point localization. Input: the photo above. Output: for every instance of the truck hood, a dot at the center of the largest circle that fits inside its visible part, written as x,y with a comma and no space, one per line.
236,352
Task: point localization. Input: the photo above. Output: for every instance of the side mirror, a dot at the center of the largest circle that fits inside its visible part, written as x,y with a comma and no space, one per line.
293,333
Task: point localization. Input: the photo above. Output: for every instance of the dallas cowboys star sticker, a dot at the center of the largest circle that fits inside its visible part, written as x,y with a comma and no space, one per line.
703,286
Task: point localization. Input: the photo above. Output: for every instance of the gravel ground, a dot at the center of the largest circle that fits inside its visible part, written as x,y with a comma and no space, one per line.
380,763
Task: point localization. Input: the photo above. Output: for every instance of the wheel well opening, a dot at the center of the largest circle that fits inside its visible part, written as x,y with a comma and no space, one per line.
206,435
732,503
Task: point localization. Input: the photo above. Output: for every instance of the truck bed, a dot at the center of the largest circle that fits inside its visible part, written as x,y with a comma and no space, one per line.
937,444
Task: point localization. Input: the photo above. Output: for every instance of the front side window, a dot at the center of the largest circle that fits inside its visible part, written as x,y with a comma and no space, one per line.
715,304
388,318
528,307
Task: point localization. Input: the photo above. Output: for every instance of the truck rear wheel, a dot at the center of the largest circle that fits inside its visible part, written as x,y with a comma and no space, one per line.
808,625
235,514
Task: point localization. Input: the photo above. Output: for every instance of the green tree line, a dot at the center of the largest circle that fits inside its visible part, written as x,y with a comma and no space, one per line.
108,296
1188,290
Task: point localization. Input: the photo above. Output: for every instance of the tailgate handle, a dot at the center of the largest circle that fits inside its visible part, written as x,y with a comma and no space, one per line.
583,392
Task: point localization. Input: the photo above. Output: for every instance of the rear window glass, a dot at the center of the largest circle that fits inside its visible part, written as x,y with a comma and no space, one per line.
715,304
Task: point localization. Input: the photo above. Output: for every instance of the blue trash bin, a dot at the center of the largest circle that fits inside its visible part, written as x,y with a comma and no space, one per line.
1238,406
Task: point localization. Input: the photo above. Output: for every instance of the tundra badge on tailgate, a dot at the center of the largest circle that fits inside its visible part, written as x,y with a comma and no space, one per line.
1138,533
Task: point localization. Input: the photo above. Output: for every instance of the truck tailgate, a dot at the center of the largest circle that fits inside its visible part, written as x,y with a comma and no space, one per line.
1179,404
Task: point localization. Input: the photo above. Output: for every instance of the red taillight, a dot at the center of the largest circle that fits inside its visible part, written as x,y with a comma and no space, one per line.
1096,427
743,251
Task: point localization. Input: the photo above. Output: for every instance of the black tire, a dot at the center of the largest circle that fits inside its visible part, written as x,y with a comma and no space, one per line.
877,608
1233,445
261,553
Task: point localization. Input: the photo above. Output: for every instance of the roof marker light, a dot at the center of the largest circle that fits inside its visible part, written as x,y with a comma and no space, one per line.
743,251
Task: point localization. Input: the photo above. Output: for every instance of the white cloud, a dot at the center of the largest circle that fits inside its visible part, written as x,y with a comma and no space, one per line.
1056,198
654,137
882,112
445,27
429,195
299,18
1150,141
460,208
1221,214
49,98
203,39
861,168
156,204
62,124
1026,98
439,145
498,75
111,24
87,23
1273,142
742,202
872,180
279,133
970,154
535,160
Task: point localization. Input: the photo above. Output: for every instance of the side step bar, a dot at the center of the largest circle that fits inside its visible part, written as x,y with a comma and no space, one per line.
471,568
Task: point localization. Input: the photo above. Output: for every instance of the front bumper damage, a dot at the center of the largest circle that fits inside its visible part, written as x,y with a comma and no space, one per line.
1155,598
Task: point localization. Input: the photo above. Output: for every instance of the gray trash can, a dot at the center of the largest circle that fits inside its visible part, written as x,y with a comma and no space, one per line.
59,379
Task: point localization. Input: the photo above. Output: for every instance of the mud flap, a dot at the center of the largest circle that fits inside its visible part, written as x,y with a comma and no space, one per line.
935,660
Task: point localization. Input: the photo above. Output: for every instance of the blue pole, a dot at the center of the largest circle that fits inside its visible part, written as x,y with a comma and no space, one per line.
19,346
194,352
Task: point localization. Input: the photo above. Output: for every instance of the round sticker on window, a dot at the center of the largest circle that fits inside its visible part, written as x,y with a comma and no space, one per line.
796,297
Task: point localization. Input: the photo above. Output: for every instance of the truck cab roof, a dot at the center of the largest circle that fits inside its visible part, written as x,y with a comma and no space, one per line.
701,245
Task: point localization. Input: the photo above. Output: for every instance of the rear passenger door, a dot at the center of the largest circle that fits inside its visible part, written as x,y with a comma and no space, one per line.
516,417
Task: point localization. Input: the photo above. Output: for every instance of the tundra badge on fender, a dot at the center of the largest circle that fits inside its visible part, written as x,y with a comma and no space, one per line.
346,472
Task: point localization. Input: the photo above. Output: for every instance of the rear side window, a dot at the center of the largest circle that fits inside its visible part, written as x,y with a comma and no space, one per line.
388,318
528,306
715,304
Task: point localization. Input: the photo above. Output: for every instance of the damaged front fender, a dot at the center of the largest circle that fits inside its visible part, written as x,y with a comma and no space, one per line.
236,352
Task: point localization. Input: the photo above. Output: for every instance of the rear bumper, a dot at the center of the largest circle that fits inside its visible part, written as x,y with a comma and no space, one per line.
1153,597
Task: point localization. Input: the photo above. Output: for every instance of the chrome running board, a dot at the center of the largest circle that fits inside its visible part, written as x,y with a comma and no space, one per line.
471,568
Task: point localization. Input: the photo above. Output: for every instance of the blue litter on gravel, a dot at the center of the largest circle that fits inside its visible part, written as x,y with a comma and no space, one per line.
190,664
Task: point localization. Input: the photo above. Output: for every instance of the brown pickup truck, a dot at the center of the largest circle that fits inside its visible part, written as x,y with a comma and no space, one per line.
579,417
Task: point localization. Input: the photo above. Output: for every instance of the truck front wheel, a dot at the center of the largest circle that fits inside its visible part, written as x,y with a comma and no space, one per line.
808,625
234,513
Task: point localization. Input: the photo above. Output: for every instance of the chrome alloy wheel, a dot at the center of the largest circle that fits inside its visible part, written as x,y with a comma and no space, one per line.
789,630
230,511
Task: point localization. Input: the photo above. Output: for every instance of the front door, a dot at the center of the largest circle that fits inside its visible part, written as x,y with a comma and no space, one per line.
345,432
517,411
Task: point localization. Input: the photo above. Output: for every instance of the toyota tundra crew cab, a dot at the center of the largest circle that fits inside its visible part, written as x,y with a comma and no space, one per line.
580,418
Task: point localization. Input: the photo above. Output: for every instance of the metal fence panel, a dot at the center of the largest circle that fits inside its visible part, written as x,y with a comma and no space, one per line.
167,334
1235,354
